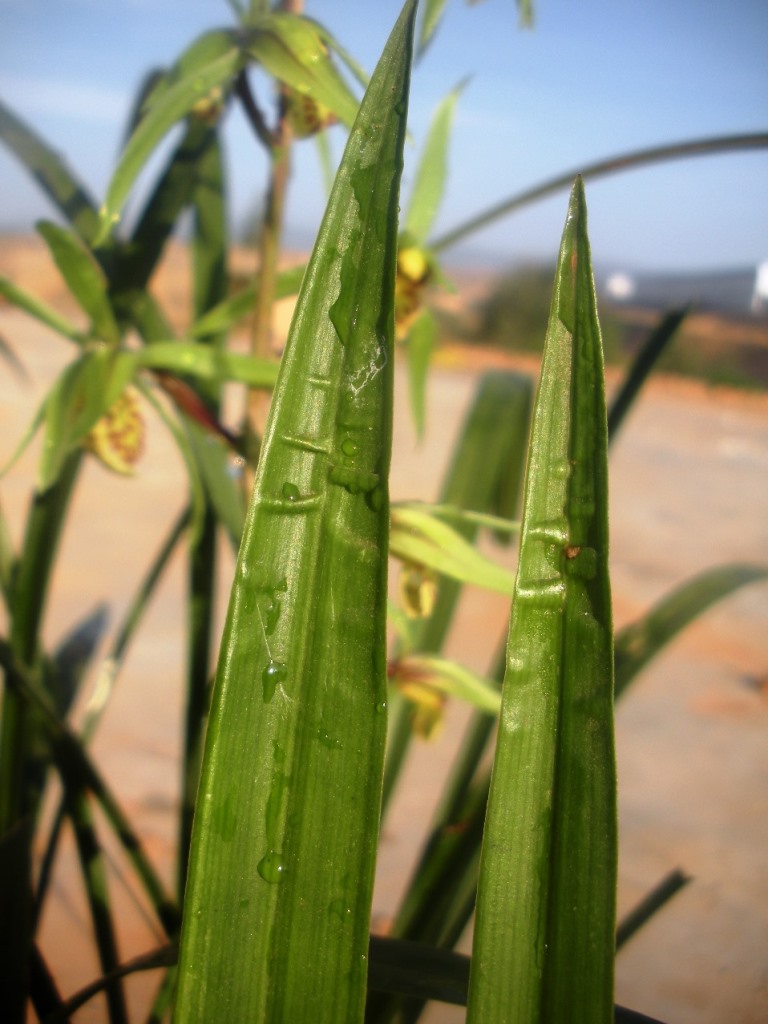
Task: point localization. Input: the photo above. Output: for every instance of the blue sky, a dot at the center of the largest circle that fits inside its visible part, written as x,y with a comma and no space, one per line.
594,78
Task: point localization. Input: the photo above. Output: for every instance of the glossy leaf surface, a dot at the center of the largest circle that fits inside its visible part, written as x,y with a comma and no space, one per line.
544,934
278,900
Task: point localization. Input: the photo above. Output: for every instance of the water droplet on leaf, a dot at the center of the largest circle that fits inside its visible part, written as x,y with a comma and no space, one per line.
273,674
271,867
291,492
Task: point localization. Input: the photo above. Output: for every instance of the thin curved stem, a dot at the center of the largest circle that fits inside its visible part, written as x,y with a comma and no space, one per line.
624,162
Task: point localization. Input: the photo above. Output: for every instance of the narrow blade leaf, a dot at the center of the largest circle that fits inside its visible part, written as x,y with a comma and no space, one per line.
84,277
165,109
544,935
292,49
641,641
278,899
51,173
432,171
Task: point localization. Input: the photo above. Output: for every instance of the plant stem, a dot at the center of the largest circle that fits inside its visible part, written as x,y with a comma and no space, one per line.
269,252
624,162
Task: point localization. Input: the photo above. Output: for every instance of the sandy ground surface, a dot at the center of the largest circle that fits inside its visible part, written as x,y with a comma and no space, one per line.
689,488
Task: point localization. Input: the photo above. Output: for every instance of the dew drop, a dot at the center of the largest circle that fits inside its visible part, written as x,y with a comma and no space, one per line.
291,492
381,707
340,909
274,674
350,447
271,867
400,108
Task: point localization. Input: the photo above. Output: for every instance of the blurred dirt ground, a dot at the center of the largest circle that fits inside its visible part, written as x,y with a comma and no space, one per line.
689,490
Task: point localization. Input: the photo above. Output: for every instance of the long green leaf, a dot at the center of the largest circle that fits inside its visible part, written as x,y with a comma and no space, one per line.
292,49
431,174
431,13
165,109
208,363
637,643
39,310
544,935
51,173
229,312
420,538
84,277
277,908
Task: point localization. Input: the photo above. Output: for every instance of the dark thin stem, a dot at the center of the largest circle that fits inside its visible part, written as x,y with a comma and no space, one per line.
625,162
662,893
654,346
253,111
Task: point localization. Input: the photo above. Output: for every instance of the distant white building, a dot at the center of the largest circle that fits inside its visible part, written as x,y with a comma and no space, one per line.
760,294
738,292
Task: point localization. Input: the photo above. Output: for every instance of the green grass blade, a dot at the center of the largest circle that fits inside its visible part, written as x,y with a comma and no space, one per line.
637,643
278,900
544,934
84,277
431,174
51,173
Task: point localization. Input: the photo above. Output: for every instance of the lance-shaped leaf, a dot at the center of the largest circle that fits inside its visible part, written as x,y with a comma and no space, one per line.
422,539
51,173
41,311
208,363
226,314
83,392
172,100
639,642
278,899
292,49
431,174
544,935
84,277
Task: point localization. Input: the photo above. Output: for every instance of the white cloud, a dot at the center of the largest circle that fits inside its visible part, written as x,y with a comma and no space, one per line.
81,101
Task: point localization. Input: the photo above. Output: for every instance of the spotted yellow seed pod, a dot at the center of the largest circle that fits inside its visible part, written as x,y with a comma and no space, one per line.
305,115
117,439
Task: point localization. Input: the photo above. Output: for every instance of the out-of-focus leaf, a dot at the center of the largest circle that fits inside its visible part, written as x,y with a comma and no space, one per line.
544,932
277,907
654,346
84,392
226,314
637,643
431,174
72,657
168,104
420,342
207,363
84,277
51,173
418,537
39,310
431,13
291,48
449,678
